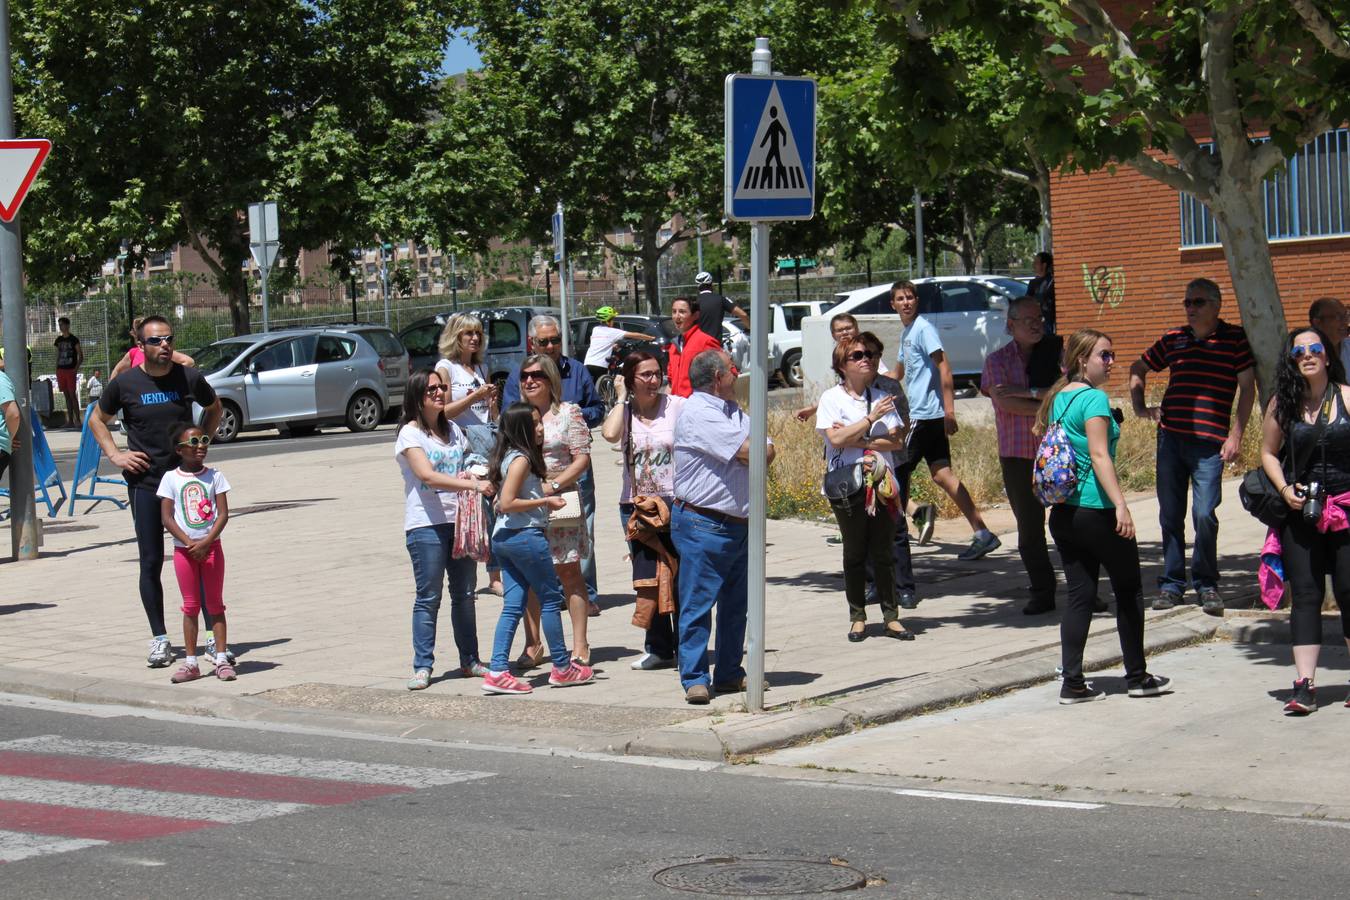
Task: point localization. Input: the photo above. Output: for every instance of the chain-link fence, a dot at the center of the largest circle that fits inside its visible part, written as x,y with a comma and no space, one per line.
201,315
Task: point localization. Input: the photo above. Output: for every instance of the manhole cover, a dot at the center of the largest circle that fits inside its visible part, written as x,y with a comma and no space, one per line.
760,877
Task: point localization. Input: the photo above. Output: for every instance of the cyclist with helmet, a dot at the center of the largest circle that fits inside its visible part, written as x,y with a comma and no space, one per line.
604,337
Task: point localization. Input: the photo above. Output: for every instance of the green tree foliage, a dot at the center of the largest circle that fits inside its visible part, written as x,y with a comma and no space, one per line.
169,117
1226,69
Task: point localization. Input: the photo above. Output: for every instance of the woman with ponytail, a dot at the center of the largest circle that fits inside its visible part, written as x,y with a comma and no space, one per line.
1093,529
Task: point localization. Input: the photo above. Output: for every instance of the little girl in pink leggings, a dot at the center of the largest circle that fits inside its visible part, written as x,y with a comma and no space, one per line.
194,511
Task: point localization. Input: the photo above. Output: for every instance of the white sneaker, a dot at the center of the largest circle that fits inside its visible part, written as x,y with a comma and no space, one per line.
161,653
211,651
648,661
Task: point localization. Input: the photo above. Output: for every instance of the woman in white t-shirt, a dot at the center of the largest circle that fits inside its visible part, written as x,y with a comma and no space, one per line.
603,338
642,423
471,402
430,452
859,424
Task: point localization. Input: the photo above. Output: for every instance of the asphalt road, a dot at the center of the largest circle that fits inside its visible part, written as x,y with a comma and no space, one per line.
107,805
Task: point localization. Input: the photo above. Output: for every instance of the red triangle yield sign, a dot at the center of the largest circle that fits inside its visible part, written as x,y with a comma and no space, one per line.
19,164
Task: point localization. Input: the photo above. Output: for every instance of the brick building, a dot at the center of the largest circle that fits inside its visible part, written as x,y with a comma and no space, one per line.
1125,245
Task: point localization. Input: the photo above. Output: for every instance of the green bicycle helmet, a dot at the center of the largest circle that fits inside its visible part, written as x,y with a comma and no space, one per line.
606,313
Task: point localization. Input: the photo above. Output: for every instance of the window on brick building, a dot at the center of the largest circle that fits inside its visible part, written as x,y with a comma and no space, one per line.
1309,197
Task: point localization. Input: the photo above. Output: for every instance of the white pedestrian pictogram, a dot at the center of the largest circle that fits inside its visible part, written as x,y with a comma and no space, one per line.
773,170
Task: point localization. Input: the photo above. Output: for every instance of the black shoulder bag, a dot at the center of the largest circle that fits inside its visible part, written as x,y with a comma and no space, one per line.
1257,492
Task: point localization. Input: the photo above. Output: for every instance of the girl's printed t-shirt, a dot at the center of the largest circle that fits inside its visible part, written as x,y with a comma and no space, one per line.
194,499
530,489
1087,403
651,452
464,381
424,506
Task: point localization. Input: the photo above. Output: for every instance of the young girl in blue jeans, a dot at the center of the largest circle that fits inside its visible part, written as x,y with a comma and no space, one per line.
521,547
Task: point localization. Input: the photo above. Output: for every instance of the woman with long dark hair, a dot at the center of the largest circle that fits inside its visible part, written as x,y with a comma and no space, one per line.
430,453
1308,413
519,540
1093,529
643,424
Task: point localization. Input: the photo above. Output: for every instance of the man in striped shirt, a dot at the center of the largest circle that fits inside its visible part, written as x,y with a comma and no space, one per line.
1210,362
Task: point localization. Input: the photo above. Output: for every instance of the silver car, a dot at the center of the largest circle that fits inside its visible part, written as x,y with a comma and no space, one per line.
295,381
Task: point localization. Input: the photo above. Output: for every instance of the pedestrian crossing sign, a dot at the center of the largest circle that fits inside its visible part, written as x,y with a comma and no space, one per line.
770,148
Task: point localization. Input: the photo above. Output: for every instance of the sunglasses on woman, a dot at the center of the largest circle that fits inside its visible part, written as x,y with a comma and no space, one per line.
1298,350
436,389
534,375
859,355
197,440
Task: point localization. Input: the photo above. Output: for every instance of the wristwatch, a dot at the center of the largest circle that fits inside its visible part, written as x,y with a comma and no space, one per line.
555,486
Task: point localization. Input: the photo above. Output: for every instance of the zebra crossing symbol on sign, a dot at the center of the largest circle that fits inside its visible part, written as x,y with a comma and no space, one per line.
771,136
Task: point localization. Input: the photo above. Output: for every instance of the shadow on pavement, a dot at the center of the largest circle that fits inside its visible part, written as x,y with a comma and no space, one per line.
239,648
10,609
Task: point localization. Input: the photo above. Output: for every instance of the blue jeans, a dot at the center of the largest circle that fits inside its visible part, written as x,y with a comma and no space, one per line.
586,490
713,560
429,549
1188,462
527,565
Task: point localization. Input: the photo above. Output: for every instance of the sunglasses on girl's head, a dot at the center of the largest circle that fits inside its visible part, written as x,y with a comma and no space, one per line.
1299,349
197,440
534,375
857,355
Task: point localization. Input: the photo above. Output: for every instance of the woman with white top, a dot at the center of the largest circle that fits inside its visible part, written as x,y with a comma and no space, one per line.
604,337
430,454
643,424
471,401
859,424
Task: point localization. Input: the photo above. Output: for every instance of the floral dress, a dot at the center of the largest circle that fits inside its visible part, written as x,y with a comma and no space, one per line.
566,437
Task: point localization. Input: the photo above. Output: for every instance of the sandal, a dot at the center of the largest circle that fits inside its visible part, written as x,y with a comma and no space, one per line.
529,661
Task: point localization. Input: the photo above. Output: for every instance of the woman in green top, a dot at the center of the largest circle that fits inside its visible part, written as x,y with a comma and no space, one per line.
1093,528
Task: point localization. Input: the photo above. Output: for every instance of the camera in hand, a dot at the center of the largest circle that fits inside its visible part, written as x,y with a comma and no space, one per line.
1313,496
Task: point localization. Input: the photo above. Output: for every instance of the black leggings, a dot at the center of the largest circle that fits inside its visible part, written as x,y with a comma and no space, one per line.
1309,556
867,539
145,517
1087,543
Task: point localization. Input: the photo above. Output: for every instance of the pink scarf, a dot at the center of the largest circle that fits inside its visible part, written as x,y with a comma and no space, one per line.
1270,573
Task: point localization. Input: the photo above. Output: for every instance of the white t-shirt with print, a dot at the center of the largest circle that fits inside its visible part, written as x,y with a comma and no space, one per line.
424,506
839,407
652,451
464,381
603,339
194,499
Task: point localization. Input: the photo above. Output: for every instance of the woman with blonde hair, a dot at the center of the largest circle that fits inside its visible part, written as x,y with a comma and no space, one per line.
1093,528
471,401
567,455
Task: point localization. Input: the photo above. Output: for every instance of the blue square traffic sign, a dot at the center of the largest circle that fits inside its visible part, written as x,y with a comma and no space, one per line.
770,148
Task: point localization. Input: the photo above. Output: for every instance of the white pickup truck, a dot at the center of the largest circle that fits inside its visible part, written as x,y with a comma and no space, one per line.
785,335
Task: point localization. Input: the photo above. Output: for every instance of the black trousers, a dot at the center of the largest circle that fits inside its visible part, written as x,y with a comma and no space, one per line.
149,527
1031,543
900,555
867,539
1309,556
1088,543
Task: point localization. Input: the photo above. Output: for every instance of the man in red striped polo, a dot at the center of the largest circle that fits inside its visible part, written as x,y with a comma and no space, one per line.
1209,362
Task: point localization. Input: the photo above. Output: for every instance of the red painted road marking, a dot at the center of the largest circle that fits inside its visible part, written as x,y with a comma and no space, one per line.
98,824
191,780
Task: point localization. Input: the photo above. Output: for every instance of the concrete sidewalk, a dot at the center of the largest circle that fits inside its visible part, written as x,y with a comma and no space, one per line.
319,589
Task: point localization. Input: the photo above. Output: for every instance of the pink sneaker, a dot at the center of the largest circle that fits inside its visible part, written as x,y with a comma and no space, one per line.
225,671
184,673
575,673
504,683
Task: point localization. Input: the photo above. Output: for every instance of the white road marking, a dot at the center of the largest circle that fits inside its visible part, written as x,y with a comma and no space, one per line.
16,845
1324,823
141,801
117,711
995,798
251,763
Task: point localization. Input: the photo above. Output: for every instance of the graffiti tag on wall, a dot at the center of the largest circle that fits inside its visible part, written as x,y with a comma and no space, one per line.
1105,285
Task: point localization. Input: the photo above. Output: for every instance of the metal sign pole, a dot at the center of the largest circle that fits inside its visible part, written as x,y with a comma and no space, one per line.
560,257
22,508
760,64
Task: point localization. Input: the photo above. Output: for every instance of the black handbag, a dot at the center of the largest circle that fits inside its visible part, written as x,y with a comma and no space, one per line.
1257,492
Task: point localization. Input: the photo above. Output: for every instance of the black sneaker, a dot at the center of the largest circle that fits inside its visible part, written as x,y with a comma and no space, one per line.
1167,600
1085,694
1304,700
1151,686
1038,607
1211,602
907,600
